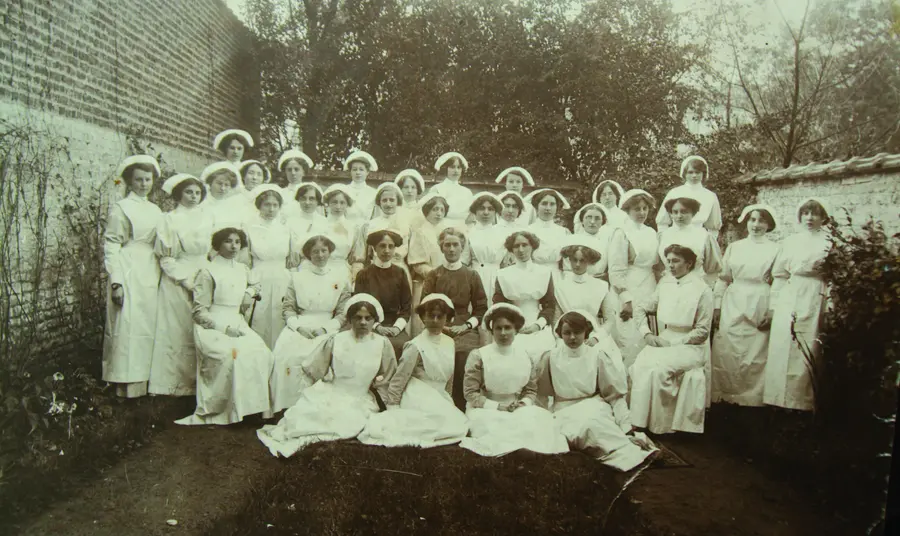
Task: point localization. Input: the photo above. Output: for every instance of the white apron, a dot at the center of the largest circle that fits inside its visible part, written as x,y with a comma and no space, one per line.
524,288
640,282
459,198
488,247
587,294
270,243
552,236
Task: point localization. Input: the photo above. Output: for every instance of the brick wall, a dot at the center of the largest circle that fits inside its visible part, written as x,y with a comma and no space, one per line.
863,186
181,69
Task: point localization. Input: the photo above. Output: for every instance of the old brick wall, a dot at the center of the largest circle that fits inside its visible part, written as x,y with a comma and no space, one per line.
864,187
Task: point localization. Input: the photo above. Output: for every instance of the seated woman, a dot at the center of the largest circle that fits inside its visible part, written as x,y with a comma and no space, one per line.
340,383
234,363
529,287
313,308
420,411
589,388
464,288
670,377
683,232
500,387
388,283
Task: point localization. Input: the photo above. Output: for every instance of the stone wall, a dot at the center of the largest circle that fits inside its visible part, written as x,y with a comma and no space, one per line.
859,187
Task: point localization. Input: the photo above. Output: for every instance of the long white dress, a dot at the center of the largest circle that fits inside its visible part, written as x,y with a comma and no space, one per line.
632,255
529,287
488,251
182,243
342,232
670,385
314,299
739,347
301,227
230,211
615,216
363,202
233,372
586,293
589,388
709,216
709,258
798,290
336,401
458,197
500,375
270,244
420,412
130,261
553,238
424,255
600,243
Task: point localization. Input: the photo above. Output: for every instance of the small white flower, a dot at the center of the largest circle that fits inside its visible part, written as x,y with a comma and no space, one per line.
172,522
58,377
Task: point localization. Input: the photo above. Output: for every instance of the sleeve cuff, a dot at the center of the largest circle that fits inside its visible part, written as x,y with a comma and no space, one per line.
490,404
528,401
116,280
473,322
542,322
400,324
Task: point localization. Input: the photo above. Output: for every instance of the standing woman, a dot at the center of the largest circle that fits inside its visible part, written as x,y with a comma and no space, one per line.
514,180
233,144
424,250
694,170
681,210
632,255
224,206
270,245
670,378
528,286
799,294
182,243
741,343
451,166
360,164
501,389
313,310
386,215
608,194
592,226
131,298
253,174
513,207
412,184
306,221
338,384
486,240
337,227
234,363
553,236
294,165
465,289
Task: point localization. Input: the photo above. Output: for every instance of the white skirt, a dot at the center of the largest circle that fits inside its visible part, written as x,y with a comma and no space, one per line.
495,433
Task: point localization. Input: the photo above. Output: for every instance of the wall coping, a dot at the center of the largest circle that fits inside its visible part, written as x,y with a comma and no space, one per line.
474,182
878,164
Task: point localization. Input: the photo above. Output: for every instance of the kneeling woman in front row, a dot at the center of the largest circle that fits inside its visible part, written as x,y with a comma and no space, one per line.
500,387
670,377
337,396
589,387
234,363
420,410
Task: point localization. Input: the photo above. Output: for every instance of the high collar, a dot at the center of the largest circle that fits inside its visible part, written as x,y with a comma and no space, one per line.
523,265
482,226
569,352
135,197
762,239
218,259
448,180
319,271
452,266
579,278
361,185
377,262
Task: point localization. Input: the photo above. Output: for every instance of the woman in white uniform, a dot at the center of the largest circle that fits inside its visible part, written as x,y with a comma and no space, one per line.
412,184
694,170
224,204
133,268
294,165
233,144
253,174
513,207
514,180
424,254
388,214
451,166
592,225
608,194
337,226
486,240
501,387
340,383
741,342
670,377
553,236
360,164
182,244
313,310
307,221
798,301
681,211
234,363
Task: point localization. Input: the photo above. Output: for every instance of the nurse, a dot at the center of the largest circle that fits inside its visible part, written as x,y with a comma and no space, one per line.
233,144
450,166
514,180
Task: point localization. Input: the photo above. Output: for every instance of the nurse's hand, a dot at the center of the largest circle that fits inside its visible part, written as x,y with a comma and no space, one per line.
118,295
655,341
456,330
305,332
627,311
232,332
528,330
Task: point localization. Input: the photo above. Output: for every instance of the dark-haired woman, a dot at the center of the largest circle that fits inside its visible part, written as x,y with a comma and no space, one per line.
133,270
336,398
529,286
741,343
386,215
224,205
182,243
589,389
451,166
501,389
337,226
694,171
799,296
547,203
295,165
313,309
306,221
514,180
412,185
486,240
360,164
681,211
670,377
270,244
632,255
510,217
420,411
234,363
608,194
233,144
389,284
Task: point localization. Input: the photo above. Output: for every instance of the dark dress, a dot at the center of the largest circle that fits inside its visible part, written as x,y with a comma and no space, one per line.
390,286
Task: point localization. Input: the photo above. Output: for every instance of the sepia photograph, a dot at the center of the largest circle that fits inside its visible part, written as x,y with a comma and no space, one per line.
449,267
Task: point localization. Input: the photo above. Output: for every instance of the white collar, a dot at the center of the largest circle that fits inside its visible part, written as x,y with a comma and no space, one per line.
452,266
579,278
523,265
377,262
358,185
319,271
218,259
577,352
136,197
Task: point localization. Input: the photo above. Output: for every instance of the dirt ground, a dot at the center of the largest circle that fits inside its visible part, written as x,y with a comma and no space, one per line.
221,480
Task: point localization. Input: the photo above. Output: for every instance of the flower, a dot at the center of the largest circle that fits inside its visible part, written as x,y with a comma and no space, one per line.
234,353
58,377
